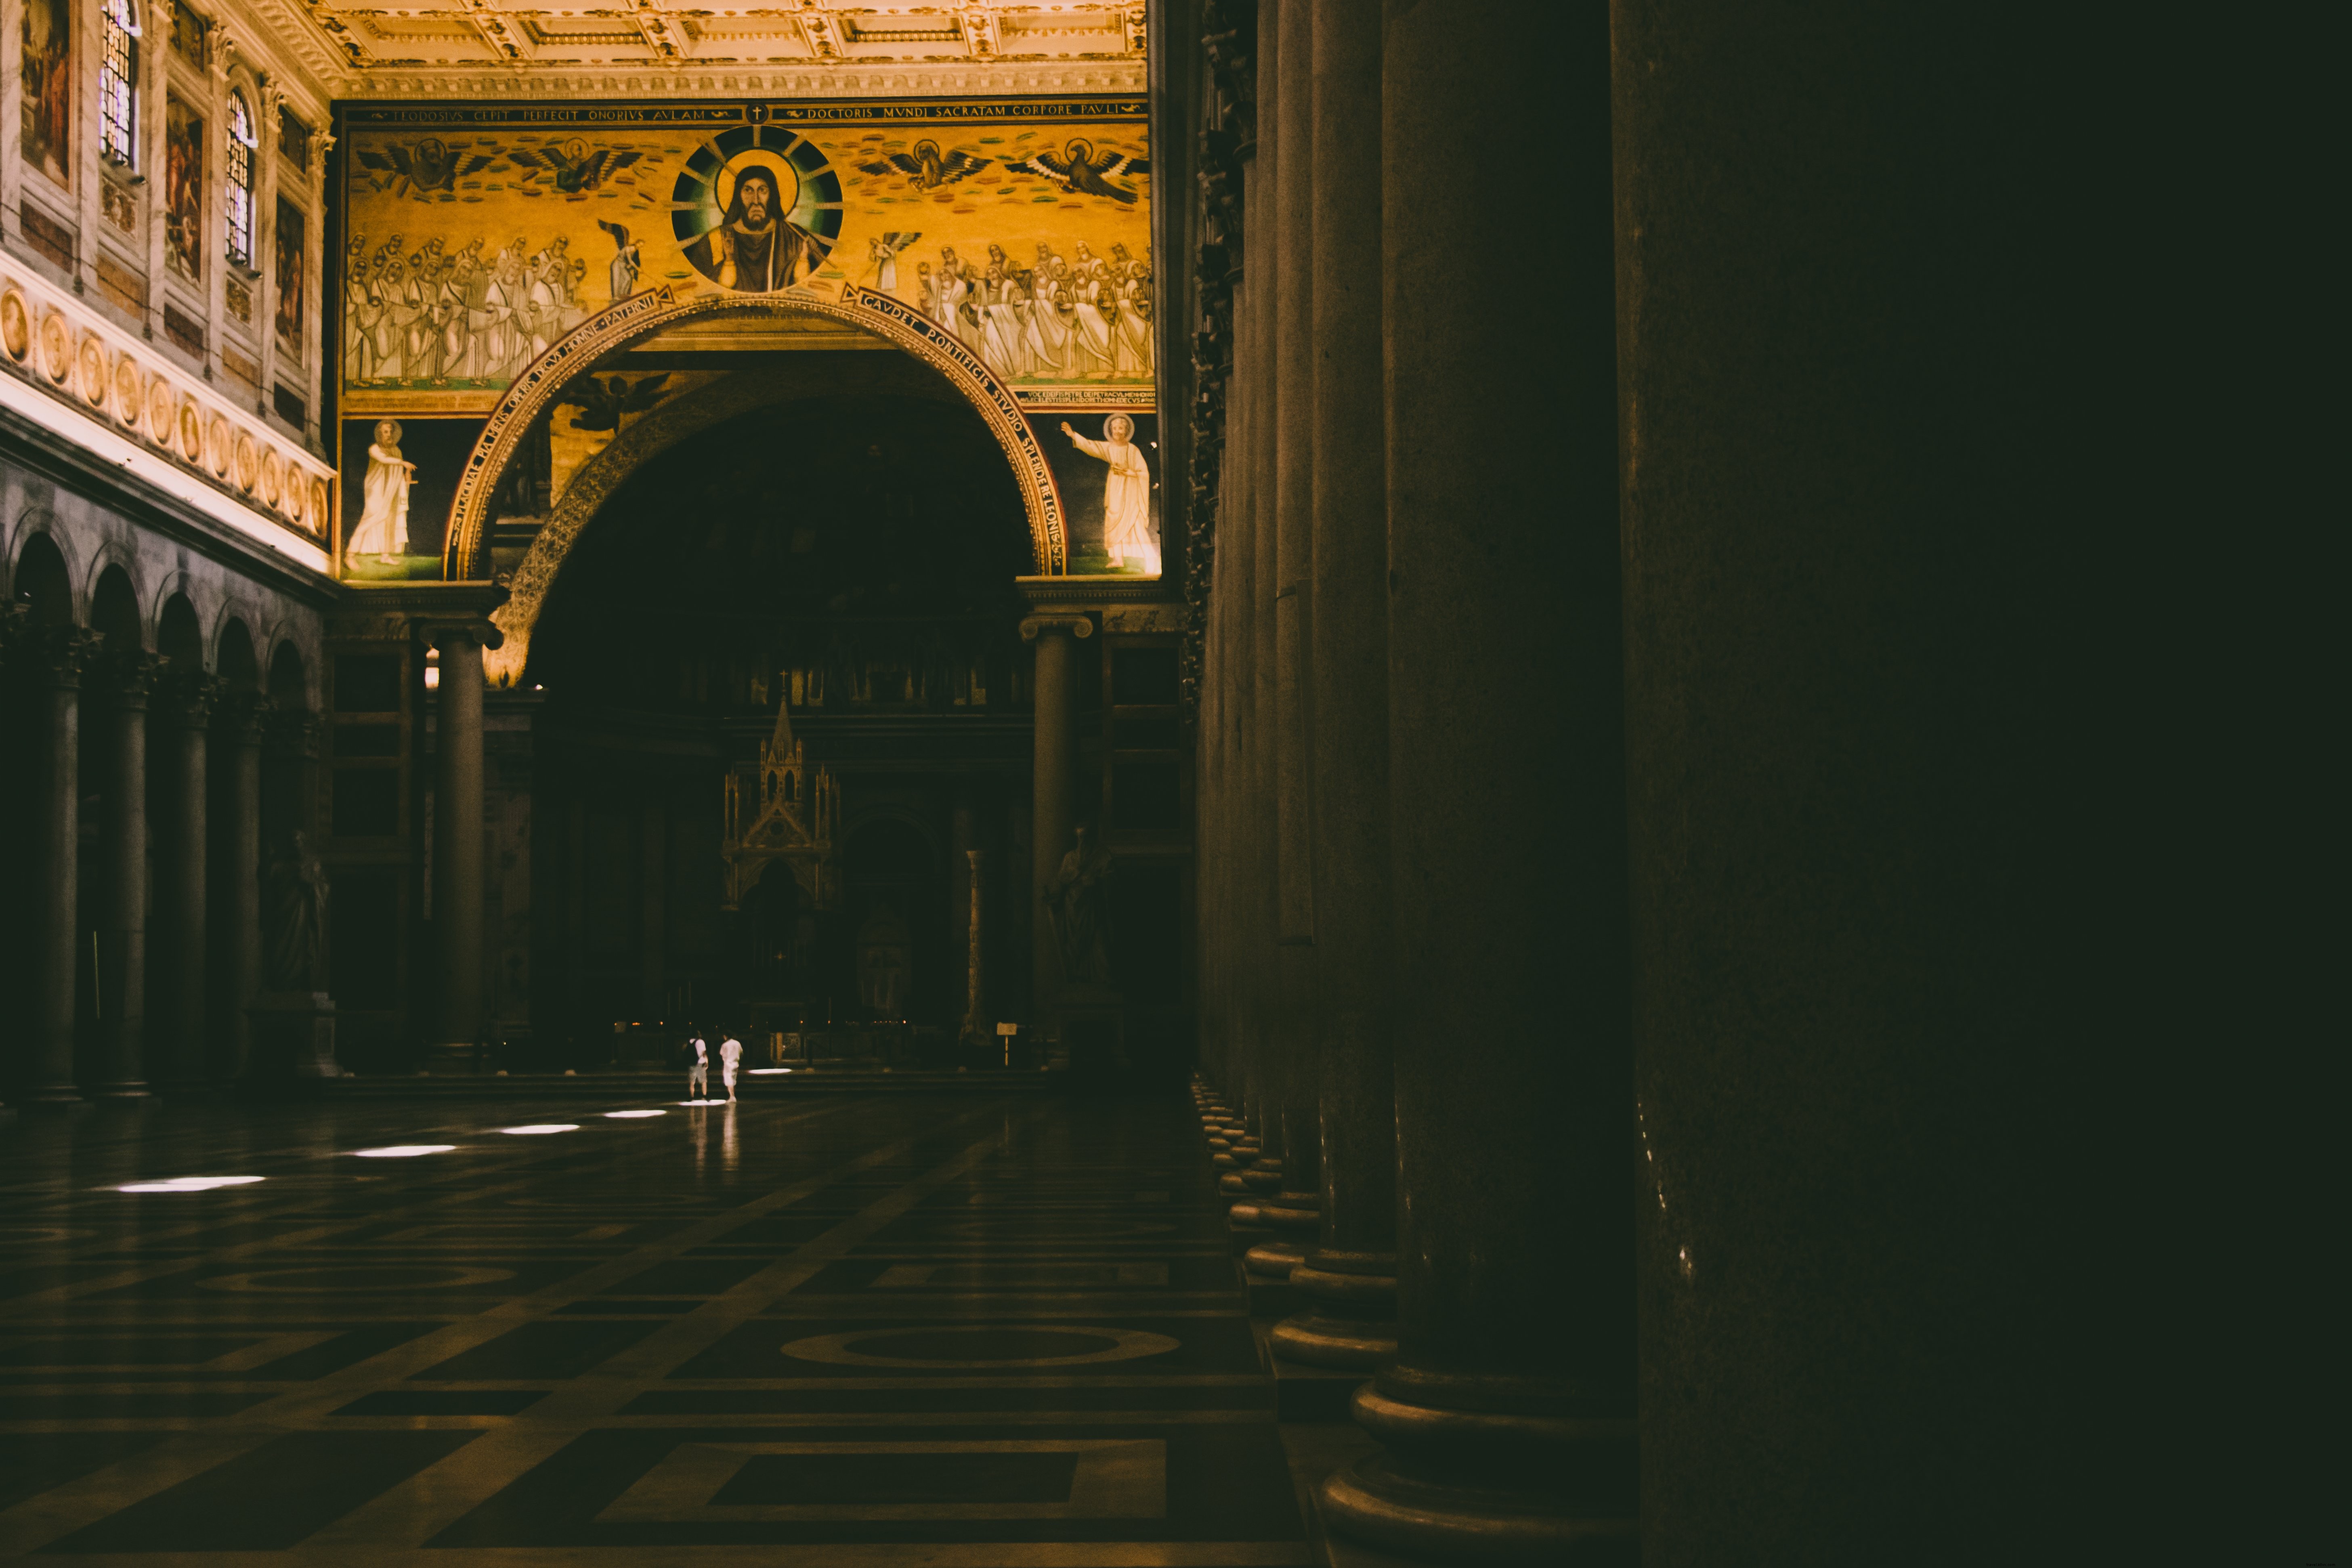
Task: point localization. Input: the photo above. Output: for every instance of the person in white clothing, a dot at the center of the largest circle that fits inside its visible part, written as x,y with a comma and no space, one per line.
697,1076
730,1055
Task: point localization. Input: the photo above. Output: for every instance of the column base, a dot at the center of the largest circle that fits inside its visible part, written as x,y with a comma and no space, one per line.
54,1096
1274,1259
1315,1338
130,1089
1510,1482
1350,1321
1372,1502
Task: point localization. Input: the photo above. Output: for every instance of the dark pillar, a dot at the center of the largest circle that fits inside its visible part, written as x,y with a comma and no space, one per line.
1833,710
184,711
1257,921
1292,1208
457,837
238,878
977,1024
1053,780
1229,934
1507,1416
59,657
959,891
122,841
1350,1277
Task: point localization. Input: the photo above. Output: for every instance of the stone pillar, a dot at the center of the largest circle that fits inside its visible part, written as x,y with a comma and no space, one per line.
238,877
1507,1416
1256,920
59,656
184,711
124,846
1350,1278
977,1025
959,868
1292,1208
1054,779
1839,784
1228,681
457,836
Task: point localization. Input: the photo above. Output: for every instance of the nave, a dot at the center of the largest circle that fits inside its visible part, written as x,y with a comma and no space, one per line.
841,1329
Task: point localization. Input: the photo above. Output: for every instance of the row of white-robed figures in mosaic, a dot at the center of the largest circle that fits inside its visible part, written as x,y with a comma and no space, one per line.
1081,319
438,314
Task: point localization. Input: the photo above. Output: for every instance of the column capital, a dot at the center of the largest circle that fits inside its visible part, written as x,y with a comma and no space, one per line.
441,635
244,713
60,655
185,697
293,731
1035,627
129,677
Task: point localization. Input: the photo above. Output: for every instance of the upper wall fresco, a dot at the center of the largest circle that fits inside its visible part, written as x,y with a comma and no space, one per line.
475,237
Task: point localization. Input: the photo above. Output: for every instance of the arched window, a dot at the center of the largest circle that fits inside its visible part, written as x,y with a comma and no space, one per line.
118,83
240,180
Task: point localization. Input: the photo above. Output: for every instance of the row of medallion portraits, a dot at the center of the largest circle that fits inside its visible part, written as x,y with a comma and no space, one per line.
477,237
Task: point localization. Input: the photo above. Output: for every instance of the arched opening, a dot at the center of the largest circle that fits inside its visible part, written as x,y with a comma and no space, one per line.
44,587
518,426
178,638
114,612
835,575
290,684
234,661
43,583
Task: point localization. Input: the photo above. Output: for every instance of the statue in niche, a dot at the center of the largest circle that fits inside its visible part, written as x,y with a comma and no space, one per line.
1073,900
297,886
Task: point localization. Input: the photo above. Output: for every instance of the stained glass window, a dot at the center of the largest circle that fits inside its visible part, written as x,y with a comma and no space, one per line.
118,83
240,180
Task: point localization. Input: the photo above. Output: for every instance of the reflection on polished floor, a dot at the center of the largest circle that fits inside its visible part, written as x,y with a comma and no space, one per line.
857,1329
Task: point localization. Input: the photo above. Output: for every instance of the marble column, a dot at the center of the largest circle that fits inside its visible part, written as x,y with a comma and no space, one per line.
1840,780
1349,1277
1226,689
977,1024
1506,1418
239,879
59,656
123,848
1228,680
1053,781
960,821
1292,1208
183,709
1257,921
457,835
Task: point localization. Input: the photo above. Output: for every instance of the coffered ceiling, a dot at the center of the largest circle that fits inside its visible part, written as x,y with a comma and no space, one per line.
635,48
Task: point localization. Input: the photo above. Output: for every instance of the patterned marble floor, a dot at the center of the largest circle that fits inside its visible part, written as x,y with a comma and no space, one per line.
866,1330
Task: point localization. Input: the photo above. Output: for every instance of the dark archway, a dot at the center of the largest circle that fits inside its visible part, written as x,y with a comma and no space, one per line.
43,583
114,612
178,638
290,682
234,659
851,556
